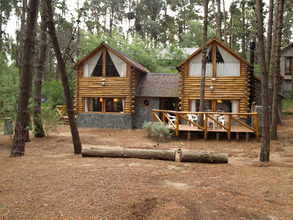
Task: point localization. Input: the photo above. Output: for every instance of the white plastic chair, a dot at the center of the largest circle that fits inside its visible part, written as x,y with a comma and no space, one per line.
193,118
172,119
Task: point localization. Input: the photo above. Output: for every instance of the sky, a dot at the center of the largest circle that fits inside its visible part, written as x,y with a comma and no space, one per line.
13,24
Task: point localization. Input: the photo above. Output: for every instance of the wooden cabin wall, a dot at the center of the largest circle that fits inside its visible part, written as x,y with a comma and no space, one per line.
225,88
115,87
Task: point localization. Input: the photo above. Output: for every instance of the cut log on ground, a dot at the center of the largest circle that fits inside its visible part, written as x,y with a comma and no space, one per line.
193,156
130,153
185,155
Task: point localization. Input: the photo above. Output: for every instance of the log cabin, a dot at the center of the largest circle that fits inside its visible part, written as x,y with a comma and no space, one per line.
227,84
112,90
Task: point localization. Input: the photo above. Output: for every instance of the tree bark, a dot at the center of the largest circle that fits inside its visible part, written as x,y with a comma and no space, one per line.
225,24
265,144
278,37
18,145
218,28
40,68
204,55
64,77
243,38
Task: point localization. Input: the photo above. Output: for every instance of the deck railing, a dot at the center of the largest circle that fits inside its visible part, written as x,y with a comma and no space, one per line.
210,116
61,110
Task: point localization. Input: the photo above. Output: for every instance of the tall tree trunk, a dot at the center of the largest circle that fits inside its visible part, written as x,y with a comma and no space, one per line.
1,37
230,31
219,15
269,51
204,55
225,23
218,28
18,145
243,46
64,77
40,68
278,37
265,144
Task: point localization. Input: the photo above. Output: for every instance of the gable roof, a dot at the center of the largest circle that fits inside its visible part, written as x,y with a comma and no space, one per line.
158,85
208,44
287,47
118,53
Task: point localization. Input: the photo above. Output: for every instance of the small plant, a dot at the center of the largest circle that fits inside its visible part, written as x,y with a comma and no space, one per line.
157,131
51,119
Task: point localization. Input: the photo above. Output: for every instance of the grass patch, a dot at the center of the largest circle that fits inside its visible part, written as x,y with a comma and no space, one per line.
287,104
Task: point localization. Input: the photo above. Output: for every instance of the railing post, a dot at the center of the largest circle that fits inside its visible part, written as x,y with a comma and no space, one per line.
229,127
153,117
164,117
256,126
177,124
205,126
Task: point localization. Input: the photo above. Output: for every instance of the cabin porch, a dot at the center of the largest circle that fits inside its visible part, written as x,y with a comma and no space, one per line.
213,122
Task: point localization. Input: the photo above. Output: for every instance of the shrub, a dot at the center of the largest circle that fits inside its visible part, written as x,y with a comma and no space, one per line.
157,131
50,118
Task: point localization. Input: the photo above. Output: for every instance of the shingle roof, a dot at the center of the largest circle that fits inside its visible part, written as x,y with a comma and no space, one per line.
158,85
123,56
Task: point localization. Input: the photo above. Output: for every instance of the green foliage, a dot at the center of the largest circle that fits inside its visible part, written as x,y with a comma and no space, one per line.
9,87
50,118
287,104
53,91
157,131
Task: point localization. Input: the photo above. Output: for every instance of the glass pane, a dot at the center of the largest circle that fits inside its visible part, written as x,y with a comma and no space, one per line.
110,67
114,105
97,104
98,68
223,106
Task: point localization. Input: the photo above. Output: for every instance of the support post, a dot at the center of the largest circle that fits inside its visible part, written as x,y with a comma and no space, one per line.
205,127
229,127
247,136
177,124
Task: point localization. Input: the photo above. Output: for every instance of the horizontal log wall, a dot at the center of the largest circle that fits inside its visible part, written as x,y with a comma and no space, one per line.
115,87
225,88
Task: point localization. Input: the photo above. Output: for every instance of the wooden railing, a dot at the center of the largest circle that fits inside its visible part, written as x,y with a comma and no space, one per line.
61,110
206,115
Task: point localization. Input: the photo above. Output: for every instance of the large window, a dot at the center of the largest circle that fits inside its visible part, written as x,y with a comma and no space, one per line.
103,105
215,105
105,64
226,63
288,66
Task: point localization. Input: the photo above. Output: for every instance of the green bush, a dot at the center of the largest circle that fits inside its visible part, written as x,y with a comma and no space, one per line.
157,131
50,118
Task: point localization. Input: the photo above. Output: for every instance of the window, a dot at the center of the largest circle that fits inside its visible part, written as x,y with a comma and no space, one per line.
103,104
114,105
114,65
215,105
146,102
288,66
93,104
226,63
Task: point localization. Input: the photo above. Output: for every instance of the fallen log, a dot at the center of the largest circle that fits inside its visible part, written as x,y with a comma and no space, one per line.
130,153
193,156
175,155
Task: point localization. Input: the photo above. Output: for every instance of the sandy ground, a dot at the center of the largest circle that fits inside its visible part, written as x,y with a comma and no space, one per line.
50,182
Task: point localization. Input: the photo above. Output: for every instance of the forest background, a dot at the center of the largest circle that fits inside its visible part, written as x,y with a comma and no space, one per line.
139,28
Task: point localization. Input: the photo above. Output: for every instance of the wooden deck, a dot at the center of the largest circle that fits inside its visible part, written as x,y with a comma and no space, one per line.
234,129
179,121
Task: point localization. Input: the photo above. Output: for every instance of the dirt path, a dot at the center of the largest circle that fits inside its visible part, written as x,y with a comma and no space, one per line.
51,182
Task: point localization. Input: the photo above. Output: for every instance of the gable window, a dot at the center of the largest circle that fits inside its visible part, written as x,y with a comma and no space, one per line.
289,66
104,105
105,64
220,63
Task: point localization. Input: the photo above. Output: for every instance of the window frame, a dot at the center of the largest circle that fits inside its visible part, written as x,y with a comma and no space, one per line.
291,66
104,103
143,102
